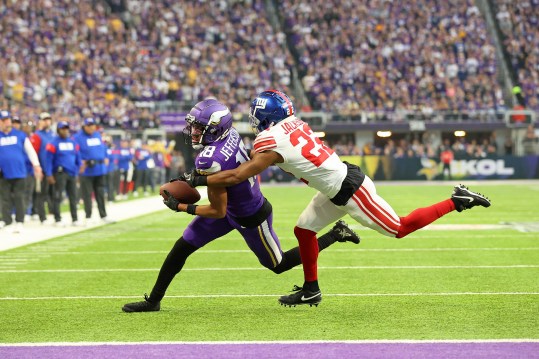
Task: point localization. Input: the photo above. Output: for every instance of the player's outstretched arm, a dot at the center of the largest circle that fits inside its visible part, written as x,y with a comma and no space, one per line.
258,163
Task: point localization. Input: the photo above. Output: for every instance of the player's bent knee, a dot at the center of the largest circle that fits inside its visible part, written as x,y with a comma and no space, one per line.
278,269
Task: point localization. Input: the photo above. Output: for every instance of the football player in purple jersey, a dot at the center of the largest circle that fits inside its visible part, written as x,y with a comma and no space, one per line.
241,207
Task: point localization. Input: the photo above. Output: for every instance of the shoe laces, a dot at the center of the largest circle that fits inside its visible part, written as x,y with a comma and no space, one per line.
296,288
147,297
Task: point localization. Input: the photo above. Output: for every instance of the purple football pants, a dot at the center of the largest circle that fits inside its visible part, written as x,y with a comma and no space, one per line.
262,240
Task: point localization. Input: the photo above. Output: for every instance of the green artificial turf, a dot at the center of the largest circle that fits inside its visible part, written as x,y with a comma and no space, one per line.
450,283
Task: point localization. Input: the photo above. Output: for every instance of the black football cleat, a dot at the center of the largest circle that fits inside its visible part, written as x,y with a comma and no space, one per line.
144,306
466,199
301,297
344,233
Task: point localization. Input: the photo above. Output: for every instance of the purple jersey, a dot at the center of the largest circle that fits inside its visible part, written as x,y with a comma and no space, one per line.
245,198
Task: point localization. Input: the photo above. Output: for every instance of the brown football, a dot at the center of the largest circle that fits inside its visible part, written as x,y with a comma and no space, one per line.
181,191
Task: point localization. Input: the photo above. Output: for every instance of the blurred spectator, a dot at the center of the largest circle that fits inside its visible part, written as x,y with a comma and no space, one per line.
508,146
446,157
530,142
125,157
113,173
144,166
177,164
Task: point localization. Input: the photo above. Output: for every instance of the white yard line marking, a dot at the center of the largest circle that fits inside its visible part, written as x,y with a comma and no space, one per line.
12,264
13,259
212,251
205,296
515,266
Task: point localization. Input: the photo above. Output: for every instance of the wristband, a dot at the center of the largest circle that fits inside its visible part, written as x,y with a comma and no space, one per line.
200,181
191,208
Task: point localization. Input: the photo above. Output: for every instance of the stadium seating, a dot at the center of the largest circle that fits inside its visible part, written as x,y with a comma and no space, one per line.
119,61
379,55
82,60
518,22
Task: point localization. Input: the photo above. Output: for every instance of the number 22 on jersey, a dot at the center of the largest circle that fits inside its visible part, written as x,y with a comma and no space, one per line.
311,147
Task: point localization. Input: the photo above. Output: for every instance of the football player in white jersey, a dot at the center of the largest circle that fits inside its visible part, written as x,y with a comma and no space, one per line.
284,140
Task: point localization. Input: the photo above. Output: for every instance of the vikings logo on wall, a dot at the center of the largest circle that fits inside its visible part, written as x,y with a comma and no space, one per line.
430,169
467,168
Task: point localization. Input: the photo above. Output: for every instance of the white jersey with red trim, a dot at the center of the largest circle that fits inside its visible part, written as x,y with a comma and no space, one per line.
305,156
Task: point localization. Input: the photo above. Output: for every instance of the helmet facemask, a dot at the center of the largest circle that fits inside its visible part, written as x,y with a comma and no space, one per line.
254,122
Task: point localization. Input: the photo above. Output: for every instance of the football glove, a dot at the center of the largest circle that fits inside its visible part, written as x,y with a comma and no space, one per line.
192,178
171,202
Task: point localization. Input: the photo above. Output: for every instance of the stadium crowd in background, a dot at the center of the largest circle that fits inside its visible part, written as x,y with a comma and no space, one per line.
84,61
381,55
113,61
519,24
422,146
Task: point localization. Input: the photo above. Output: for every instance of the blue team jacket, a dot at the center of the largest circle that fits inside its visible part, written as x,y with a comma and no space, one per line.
12,154
92,148
63,153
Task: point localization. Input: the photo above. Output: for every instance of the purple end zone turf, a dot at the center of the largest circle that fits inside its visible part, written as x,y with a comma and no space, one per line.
280,350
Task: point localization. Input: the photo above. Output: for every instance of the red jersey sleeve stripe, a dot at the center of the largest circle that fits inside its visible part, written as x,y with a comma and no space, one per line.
265,140
265,148
264,144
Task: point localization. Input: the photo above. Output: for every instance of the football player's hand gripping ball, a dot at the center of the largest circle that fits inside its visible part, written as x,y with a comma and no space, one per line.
171,202
192,178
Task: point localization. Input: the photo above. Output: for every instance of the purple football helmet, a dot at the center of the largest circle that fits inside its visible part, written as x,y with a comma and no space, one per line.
207,122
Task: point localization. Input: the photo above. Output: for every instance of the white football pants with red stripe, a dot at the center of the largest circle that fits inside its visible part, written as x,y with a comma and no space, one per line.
365,206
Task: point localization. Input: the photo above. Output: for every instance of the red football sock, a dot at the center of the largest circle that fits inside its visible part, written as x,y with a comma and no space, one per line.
308,250
420,217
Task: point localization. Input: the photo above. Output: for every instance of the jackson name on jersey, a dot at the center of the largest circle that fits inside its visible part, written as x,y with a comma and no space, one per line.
305,156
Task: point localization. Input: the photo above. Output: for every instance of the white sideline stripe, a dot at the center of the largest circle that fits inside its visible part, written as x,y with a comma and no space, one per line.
262,268
373,341
205,296
119,211
211,251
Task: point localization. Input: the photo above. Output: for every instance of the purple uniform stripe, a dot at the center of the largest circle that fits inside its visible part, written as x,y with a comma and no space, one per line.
266,244
281,350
